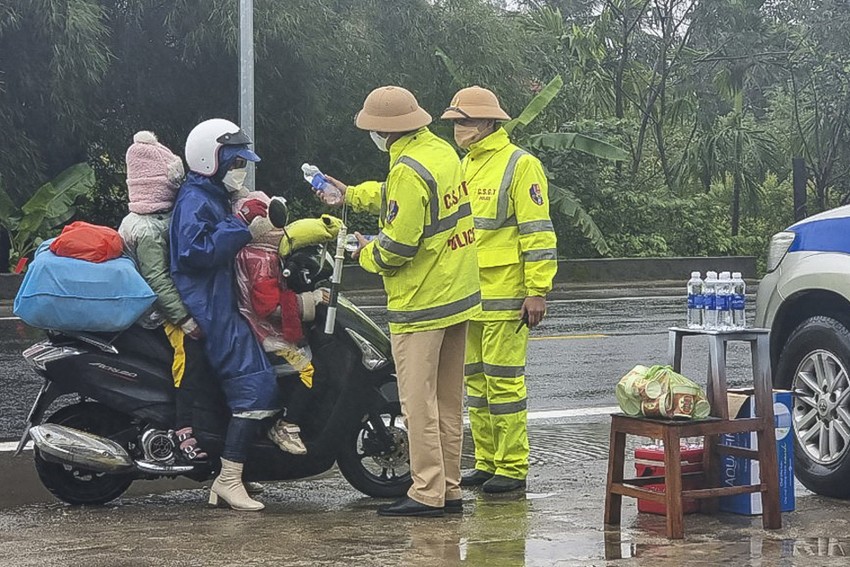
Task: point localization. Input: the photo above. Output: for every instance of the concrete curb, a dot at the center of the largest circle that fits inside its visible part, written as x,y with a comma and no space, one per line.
599,271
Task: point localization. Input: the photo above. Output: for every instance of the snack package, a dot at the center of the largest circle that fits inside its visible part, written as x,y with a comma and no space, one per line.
659,392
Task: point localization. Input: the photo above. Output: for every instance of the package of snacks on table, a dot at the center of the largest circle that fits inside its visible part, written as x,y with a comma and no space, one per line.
658,391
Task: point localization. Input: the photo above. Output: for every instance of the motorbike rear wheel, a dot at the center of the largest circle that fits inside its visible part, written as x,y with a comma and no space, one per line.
378,468
76,485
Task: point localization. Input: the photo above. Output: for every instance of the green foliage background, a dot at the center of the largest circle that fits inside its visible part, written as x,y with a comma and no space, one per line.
710,99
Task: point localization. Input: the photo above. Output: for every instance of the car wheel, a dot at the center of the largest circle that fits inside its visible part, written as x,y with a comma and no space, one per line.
814,364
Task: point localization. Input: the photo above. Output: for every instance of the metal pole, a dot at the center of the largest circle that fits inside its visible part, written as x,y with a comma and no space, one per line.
246,77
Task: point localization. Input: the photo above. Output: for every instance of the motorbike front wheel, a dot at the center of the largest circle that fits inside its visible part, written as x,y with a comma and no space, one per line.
76,485
375,457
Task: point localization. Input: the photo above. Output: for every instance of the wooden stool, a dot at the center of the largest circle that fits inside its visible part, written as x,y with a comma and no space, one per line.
672,431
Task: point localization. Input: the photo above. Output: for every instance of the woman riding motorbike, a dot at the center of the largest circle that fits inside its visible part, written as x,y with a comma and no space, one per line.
205,238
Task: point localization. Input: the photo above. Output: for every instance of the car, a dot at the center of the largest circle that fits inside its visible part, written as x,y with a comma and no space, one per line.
804,299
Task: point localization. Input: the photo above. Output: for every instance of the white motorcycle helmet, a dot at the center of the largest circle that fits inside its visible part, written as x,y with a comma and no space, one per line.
207,138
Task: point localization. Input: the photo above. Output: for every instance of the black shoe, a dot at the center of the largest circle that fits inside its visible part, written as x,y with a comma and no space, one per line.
454,506
501,483
476,477
409,507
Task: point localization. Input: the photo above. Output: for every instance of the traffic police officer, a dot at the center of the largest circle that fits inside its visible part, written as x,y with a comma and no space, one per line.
425,252
517,258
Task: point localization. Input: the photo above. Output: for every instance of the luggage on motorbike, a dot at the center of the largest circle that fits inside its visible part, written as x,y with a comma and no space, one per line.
89,242
67,294
307,232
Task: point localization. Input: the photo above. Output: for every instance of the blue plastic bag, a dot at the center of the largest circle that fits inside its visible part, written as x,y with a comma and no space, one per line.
66,294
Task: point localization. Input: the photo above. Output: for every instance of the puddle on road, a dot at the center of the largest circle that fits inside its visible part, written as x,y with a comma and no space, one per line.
755,551
573,443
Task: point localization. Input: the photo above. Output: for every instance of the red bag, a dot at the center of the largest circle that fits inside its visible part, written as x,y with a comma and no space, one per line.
89,242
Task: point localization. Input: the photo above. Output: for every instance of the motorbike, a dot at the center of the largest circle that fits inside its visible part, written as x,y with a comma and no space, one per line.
117,430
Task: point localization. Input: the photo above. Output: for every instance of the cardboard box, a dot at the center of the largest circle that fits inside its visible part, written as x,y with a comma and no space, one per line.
737,471
649,461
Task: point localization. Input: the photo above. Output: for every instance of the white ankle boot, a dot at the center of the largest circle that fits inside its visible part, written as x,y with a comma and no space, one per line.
228,486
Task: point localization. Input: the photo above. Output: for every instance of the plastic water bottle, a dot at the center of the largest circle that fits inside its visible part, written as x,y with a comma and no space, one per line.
320,183
695,301
709,302
724,302
739,301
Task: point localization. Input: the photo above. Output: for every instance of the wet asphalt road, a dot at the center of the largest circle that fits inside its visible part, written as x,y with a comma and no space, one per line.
324,522
575,357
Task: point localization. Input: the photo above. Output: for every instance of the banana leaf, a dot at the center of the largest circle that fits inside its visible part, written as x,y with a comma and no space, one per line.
537,105
457,77
53,202
561,141
568,204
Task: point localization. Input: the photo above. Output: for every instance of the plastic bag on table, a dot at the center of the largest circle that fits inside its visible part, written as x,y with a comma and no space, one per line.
658,391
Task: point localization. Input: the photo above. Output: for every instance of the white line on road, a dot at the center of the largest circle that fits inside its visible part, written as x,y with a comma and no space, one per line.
10,446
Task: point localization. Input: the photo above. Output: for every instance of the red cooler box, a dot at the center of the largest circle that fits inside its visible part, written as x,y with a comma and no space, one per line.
649,461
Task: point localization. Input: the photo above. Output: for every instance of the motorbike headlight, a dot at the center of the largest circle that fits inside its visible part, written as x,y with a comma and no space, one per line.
372,357
778,248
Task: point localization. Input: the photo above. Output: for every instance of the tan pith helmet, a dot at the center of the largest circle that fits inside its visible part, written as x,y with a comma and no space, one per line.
391,109
475,102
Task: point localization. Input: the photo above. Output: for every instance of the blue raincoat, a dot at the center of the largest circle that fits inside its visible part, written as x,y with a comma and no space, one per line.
205,237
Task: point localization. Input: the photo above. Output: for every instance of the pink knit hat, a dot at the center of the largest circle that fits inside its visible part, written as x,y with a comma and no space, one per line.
154,174
271,238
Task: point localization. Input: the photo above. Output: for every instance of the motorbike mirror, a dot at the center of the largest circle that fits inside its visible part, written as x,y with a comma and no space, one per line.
278,212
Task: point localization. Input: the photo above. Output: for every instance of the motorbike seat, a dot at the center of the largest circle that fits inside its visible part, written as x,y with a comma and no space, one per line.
151,344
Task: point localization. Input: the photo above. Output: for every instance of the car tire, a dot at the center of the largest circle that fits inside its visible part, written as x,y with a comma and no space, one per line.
816,344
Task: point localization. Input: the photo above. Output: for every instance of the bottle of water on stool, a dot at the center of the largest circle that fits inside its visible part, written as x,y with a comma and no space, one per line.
739,301
709,297
695,301
724,302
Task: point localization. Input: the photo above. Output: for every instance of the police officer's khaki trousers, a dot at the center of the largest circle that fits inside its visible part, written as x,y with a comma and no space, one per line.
429,365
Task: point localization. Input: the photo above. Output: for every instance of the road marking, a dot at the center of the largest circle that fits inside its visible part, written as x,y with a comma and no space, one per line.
578,412
566,337
10,318
10,446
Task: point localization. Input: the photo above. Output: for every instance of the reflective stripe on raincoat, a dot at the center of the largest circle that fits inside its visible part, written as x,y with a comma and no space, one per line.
425,249
517,248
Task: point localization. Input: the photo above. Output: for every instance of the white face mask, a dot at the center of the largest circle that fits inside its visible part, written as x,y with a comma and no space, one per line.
234,179
379,140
